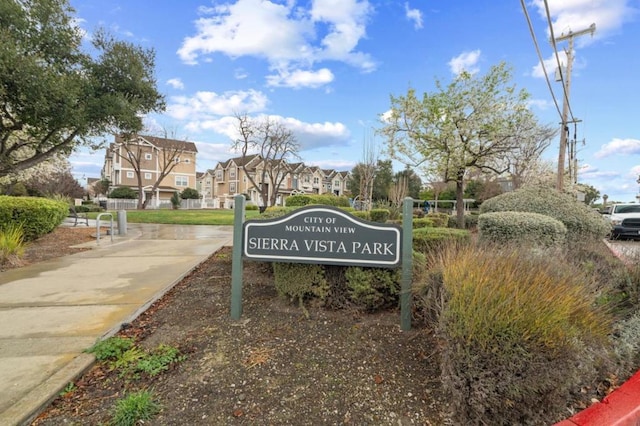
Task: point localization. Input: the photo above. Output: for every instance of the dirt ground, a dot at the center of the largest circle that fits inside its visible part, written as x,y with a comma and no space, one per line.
273,367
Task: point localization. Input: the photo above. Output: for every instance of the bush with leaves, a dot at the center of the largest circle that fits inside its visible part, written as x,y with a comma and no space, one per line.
379,215
299,281
135,408
326,199
521,227
440,220
124,192
175,200
190,194
373,288
582,221
430,239
37,216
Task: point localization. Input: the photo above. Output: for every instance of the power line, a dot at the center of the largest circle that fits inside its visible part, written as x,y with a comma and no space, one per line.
555,51
544,69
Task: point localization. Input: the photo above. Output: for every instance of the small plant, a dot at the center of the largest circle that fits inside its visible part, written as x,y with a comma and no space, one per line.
111,348
68,390
134,408
12,242
159,360
175,200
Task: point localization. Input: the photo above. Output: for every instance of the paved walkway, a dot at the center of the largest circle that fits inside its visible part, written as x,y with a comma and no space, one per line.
52,311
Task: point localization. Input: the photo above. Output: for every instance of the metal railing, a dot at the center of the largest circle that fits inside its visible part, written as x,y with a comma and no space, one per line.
98,226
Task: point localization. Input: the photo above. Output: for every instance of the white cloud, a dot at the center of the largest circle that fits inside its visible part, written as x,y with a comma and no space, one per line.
308,135
619,147
339,165
285,35
542,104
414,15
551,65
206,104
240,74
466,61
301,78
176,83
576,15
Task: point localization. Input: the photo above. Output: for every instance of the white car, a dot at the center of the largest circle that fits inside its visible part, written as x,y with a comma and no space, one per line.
625,220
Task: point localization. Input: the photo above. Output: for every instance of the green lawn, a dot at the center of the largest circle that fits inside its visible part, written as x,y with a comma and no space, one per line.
180,217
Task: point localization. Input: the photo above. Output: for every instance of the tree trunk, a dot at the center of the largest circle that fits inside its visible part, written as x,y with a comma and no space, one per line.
460,199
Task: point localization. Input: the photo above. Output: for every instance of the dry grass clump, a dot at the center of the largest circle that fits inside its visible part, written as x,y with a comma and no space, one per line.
515,326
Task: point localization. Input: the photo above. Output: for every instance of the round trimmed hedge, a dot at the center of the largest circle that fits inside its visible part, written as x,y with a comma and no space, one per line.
580,220
521,227
37,216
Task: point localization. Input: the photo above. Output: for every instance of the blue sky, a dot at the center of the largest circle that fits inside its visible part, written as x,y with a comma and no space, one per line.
326,68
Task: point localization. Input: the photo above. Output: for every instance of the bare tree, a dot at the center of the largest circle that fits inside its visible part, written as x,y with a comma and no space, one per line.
167,155
367,172
399,190
275,144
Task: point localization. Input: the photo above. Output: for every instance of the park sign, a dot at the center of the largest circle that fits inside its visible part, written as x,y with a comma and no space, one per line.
323,235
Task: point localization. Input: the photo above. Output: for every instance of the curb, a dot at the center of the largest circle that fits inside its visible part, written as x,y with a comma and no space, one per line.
620,408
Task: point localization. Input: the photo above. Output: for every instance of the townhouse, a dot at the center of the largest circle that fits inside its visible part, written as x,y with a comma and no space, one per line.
233,176
171,161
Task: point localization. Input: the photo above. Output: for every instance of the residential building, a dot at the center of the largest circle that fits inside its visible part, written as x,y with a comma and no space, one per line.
173,162
230,179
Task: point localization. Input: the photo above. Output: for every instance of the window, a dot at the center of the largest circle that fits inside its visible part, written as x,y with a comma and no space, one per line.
306,179
208,181
219,175
232,173
130,175
147,156
336,183
147,176
232,188
316,181
187,161
177,160
182,181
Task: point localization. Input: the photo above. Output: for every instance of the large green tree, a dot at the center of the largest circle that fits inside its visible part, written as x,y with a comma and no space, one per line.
473,123
55,97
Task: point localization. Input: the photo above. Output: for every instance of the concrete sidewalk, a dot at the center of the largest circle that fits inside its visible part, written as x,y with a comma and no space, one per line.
51,312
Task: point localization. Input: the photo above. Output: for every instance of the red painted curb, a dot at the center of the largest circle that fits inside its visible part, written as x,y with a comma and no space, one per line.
620,408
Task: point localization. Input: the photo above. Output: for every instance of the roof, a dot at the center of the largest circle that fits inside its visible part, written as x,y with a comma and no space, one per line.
164,143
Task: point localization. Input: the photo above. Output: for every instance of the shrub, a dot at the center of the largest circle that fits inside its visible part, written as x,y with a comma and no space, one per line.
440,220
110,348
418,213
362,214
38,216
470,221
124,192
299,281
84,208
518,332
330,200
373,288
627,344
521,227
273,212
424,222
379,215
11,243
251,207
581,220
135,408
175,200
189,194
428,239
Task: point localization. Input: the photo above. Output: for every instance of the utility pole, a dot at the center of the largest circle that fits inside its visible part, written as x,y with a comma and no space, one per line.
564,129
